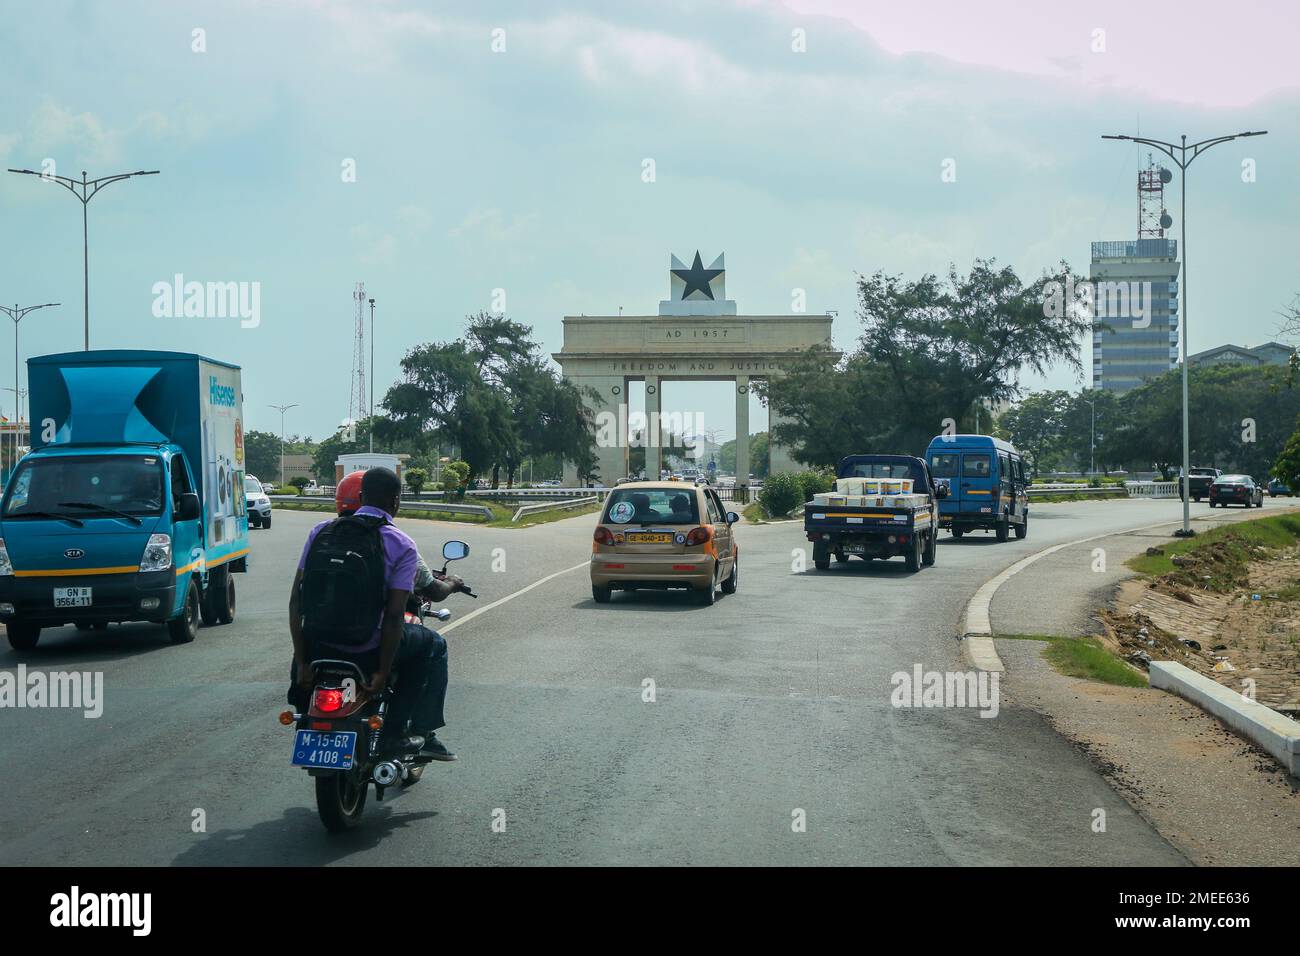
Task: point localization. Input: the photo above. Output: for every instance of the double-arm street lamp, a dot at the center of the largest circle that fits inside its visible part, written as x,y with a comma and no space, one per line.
85,189
17,313
282,409
1182,153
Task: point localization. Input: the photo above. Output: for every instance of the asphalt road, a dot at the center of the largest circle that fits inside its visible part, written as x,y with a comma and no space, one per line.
774,701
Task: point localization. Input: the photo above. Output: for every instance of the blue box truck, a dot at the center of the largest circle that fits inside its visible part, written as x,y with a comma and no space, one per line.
130,505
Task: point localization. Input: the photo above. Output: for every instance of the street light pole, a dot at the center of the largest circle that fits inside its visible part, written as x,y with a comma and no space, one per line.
1178,152
372,377
1092,442
17,313
282,409
85,190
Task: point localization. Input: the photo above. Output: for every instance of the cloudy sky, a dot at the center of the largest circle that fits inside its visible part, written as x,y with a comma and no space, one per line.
521,169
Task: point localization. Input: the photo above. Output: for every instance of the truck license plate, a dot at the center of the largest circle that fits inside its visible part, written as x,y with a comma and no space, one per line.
72,597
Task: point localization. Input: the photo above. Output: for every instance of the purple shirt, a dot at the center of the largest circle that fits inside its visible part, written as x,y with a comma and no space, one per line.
400,561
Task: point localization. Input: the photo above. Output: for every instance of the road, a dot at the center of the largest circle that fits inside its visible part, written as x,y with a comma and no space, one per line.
774,701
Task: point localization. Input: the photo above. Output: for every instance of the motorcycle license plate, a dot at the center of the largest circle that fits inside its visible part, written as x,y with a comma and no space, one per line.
647,537
72,597
335,751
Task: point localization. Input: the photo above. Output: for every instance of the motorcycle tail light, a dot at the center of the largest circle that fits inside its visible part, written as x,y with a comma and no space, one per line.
328,699
702,535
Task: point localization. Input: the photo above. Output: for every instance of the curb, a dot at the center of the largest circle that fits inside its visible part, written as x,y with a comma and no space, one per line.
977,633
1278,735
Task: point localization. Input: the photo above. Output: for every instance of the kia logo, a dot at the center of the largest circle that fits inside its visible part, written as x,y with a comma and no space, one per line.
74,553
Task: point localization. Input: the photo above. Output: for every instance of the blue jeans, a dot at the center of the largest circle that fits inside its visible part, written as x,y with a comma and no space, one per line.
421,668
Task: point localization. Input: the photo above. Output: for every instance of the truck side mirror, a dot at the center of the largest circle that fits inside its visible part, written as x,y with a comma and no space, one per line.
187,507
941,489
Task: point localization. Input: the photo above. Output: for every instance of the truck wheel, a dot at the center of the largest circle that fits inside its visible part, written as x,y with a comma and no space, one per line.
22,636
958,532
1003,529
821,555
841,557
184,629
223,601
931,549
1022,529
913,555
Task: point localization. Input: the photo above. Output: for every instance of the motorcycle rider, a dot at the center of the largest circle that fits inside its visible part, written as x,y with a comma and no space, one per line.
418,652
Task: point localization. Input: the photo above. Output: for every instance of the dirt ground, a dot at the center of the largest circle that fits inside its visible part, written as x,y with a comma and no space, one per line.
1213,795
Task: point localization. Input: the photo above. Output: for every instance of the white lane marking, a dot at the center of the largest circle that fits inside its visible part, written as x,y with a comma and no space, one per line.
978,635
509,597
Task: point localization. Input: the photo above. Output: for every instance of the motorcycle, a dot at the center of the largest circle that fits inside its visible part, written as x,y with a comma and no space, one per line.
341,741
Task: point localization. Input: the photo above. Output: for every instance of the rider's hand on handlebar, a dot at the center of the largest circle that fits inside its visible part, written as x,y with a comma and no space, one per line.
455,581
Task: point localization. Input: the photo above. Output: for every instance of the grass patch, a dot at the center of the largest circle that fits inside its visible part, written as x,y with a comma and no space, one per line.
1221,552
1082,657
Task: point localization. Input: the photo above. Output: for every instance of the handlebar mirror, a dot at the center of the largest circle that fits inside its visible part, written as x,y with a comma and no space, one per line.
455,550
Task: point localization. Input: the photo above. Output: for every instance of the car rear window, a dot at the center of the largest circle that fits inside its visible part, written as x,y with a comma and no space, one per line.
652,506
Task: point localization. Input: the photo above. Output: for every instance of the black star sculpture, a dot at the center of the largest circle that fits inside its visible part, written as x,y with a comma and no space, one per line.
697,278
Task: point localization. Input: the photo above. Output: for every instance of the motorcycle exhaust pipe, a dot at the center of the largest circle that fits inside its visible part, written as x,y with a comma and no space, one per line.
388,772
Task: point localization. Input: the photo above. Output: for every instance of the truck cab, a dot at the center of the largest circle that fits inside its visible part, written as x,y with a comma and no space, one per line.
130,507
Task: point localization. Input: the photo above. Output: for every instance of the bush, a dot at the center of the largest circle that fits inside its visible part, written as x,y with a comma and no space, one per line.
299,483
814,482
780,494
454,476
416,479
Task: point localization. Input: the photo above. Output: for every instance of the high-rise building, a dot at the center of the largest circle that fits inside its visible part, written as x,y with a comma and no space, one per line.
1135,298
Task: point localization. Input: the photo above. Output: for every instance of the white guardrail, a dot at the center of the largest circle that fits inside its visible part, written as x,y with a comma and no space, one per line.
447,506
553,506
1151,489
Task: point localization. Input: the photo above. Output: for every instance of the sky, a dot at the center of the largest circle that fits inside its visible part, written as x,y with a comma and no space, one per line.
501,146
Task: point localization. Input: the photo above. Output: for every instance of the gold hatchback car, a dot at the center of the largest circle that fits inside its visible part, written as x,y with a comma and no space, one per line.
664,534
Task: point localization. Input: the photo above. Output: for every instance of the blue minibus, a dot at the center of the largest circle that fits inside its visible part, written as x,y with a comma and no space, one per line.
988,484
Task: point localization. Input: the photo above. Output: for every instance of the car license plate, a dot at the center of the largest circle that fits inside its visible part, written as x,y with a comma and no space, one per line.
72,597
639,537
334,751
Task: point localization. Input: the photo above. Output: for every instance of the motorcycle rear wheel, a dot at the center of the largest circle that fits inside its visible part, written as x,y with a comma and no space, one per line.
340,800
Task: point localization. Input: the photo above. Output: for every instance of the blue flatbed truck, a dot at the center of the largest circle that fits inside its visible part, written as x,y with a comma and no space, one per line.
130,505
867,532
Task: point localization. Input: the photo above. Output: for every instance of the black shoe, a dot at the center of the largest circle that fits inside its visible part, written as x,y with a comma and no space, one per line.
405,745
433,747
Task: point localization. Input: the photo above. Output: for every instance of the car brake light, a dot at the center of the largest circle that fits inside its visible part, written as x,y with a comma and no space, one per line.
603,535
701,535
328,699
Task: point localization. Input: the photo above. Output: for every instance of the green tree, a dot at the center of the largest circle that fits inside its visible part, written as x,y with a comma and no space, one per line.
416,479
930,350
455,475
262,455
1287,466
1035,425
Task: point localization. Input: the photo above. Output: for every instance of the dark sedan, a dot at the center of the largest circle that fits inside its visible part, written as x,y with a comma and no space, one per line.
1236,490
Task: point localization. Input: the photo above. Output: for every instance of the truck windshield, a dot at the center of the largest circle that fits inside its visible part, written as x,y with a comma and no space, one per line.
878,469
82,485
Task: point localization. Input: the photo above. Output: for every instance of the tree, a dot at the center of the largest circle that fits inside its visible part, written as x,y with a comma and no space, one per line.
416,479
455,475
1287,467
328,451
759,458
1035,426
492,396
262,455
930,351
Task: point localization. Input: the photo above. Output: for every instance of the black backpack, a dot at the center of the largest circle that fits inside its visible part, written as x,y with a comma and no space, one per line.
343,593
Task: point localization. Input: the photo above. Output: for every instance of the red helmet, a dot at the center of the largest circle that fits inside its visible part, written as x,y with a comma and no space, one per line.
347,496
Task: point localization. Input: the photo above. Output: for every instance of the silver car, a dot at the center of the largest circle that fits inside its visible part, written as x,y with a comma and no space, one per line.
259,505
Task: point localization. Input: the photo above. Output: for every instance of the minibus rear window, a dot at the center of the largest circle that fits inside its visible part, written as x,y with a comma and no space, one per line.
944,466
975,466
